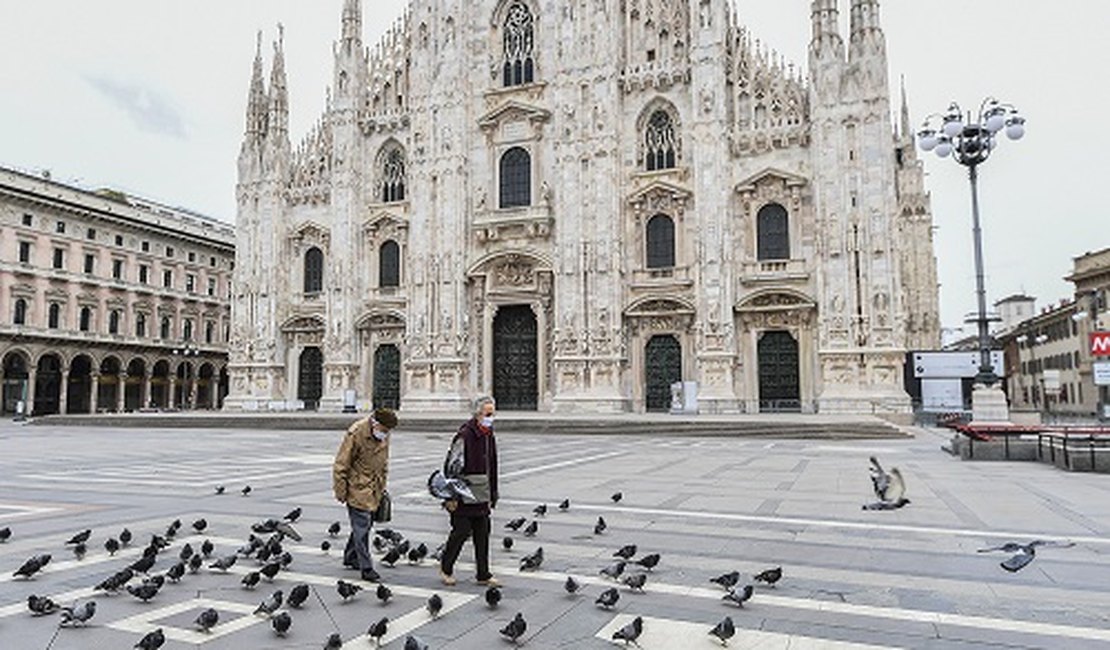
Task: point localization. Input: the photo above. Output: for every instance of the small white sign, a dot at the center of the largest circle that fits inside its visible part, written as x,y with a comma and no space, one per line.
953,365
942,395
1051,381
1102,373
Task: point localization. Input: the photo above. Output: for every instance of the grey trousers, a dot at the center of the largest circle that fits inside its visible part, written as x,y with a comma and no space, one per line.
357,553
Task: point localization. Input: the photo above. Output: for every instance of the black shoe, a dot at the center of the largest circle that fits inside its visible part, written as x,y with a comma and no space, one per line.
370,575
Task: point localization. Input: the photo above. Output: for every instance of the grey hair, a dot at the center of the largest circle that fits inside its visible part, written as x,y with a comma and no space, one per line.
481,402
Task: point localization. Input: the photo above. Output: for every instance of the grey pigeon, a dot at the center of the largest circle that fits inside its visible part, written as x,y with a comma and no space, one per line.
724,630
507,543
207,547
434,605
5,534
347,590
78,615
626,552
890,487
649,562
281,623
270,569
152,641
614,570
156,580
32,566
391,558
727,580
176,572
220,489
739,595
298,595
111,545
125,537
293,515
207,620
145,591
195,563
246,490
617,496
334,529
413,643
571,586
333,642
565,505
515,524
636,581
533,561
515,629
325,546
378,630
271,604
251,580
41,606
186,552
540,510
79,550
631,632
532,529
116,581
600,526
608,598
1023,553
493,596
200,524
418,554
383,593
224,563
770,576
144,564
80,538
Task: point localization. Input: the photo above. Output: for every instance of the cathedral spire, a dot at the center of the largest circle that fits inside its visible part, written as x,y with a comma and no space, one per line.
907,129
352,25
825,16
865,17
256,98
279,93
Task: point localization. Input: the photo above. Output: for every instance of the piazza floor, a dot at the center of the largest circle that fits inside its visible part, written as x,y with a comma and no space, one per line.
853,579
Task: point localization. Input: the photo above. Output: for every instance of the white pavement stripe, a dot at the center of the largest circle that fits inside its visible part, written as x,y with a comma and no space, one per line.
833,523
403,625
25,511
667,634
540,468
63,599
90,560
144,623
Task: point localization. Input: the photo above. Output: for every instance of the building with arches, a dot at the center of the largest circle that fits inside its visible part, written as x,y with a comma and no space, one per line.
109,302
572,206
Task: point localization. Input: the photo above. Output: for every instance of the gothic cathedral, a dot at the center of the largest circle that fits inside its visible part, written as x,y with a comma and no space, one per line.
572,205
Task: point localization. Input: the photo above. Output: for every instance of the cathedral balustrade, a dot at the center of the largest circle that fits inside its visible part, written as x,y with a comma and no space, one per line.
532,222
774,271
674,277
657,75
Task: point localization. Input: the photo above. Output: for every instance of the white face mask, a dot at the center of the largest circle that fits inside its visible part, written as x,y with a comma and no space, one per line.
381,435
487,421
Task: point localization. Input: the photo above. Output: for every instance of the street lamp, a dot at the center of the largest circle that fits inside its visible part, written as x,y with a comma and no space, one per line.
188,349
970,141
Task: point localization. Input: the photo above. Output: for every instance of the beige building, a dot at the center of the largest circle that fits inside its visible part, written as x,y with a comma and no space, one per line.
1091,277
109,302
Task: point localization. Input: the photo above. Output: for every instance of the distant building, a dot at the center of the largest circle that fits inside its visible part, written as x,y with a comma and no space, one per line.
109,302
1091,277
1013,310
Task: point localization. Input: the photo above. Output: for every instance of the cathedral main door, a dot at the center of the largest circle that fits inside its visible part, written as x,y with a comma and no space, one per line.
387,376
515,359
662,367
779,386
310,378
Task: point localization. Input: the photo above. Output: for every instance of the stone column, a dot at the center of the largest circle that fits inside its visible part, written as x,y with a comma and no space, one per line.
191,399
121,392
63,391
94,391
144,391
171,398
29,407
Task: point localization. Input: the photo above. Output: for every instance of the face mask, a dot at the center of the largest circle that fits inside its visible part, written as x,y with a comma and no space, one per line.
487,422
381,435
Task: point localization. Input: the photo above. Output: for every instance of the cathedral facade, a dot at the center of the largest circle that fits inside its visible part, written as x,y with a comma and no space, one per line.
572,205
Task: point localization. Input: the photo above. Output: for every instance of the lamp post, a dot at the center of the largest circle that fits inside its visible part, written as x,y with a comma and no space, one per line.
188,349
970,141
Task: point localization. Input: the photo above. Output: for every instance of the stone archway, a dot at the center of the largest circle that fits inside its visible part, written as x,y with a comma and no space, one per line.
79,385
387,376
662,367
779,386
310,377
516,358
48,385
224,386
160,385
777,335
133,387
16,379
108,385
659,329
206,387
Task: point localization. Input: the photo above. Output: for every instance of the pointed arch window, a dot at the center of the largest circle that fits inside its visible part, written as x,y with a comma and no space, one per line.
20,315
516,178
389,264
54,316
660,242
660,142
393,176
85,323
519,43
773,233
313,271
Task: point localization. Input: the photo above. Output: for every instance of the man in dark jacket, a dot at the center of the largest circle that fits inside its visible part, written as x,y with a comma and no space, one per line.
479,469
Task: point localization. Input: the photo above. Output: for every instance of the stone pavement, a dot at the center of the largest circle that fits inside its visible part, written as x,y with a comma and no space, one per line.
853,579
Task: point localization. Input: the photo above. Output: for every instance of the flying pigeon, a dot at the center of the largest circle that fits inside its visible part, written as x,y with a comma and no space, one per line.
347,590
515,524
770,576
739,595
493,596
533,561
78,615
271,604
727,580
41,606
724,630
600,526
378,630
434,605
383,593
608,598
281,623
207,620
614,570
80,538
629,633
626,552
1023,553
298,595
890,487
515,629
571,586
507,543
152,641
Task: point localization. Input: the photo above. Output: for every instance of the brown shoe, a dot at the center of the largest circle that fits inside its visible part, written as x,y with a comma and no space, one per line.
447,579
489,582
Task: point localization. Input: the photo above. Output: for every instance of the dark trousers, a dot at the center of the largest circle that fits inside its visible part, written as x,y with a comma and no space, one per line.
462,528
357,553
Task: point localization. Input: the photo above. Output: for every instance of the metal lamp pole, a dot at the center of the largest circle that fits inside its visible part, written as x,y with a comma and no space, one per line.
970,144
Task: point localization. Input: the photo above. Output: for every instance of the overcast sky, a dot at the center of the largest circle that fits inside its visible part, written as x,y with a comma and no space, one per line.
149,97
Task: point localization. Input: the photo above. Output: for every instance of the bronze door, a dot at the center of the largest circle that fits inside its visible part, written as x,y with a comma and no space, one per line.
515,359
387,376
663,367
310,382
779,385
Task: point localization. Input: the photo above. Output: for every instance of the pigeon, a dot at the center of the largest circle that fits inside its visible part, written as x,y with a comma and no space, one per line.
281,623
727,580
270,569
79,550
246,490
80,538
418,554
224,563
413,643
600,526
626,552
111,545
5,534
533,561
636,581
515,629
724,630
390,535
507,543
293,515
195,563
250,581
378,630
207,620
540,510
334,529
383,593
298,595
493,596
515,524
200,525
629,633
391,558
770,576
125,537
152,641
145,591
41,606
144,564
890,487
325,546
333,642
437,554
617,496
434,605
207,547
220,489
171,532
271,604
1023,553
564,505
157,581
78,615
32,566
739,595
608,598
649,562
116,581
347,590
614,570
176,572
571,586
186,552
532,529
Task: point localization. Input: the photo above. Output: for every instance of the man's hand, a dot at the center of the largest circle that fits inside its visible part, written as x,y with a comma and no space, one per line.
451,505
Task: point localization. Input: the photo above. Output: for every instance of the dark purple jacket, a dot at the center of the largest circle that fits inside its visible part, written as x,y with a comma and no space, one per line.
480,458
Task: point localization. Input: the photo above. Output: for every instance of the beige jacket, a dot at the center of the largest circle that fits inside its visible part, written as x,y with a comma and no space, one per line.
361,467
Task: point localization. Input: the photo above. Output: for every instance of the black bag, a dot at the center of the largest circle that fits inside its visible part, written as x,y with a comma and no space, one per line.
384,511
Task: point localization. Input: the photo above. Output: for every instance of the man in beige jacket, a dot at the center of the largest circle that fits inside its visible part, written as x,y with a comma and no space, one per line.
358,477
